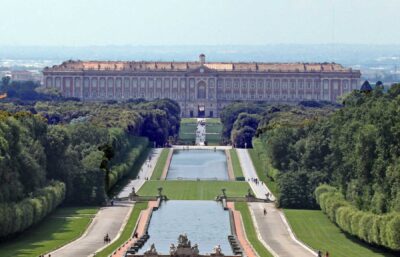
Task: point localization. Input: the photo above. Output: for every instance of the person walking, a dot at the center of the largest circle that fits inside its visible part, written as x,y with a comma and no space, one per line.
327,254
265,212
319,253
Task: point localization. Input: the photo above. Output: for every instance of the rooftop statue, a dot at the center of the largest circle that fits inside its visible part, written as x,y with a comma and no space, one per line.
151,251
183,241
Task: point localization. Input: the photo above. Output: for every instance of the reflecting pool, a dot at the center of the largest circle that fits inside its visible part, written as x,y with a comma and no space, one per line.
205,223
198,164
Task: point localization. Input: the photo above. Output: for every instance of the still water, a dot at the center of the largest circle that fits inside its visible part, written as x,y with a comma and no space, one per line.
205,223
198,164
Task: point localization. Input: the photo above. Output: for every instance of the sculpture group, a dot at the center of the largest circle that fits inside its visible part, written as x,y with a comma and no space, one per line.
183,249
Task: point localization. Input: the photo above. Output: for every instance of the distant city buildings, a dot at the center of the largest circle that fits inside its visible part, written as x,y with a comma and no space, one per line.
202,88
22,75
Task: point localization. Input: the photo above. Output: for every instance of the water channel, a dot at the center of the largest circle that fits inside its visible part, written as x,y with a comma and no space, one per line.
205,223
198,165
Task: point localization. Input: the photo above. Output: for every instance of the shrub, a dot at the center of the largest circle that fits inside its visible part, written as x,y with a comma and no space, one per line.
382,230
16,217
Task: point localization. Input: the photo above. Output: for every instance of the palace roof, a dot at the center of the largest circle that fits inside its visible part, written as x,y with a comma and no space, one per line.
189,66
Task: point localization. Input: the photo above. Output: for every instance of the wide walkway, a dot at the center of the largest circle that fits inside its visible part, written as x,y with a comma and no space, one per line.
145,172
273,228
249,172
110,219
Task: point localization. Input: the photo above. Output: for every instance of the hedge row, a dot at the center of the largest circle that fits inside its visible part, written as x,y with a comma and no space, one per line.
137,147
16,217
382,230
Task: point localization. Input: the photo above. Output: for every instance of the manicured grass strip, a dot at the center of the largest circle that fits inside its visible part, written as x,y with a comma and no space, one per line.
126,233
187,131
63,226
194,190
158,170
213,121
188,120
250,230
213,126
262,164
237,169
316,230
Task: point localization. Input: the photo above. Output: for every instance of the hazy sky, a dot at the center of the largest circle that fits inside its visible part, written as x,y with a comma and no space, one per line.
203,22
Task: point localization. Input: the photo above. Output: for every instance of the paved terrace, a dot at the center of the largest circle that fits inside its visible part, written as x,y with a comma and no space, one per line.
201,132
201,147
272,229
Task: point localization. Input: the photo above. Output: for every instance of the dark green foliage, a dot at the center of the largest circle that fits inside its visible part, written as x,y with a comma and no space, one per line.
382,230
18,216
89,147
356,149
127,156
244,129
231,112
25,90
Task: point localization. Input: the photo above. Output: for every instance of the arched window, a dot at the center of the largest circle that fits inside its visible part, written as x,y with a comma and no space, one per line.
201,90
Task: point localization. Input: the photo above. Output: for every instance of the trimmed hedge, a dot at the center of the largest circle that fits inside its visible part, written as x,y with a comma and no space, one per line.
16,217
137,145
382,230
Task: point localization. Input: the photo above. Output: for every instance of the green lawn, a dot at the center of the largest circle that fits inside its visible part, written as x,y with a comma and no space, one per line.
126,233
187,131
262,165
188,120
250,231
194,190
213,120
160,164
315,229
237,169
214,126
63,226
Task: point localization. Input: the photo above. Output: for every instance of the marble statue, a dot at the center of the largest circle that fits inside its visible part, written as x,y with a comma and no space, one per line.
195,249
151,251
217,250
172,249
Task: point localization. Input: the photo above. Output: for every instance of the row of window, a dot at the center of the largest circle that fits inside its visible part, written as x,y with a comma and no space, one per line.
221,83
103,93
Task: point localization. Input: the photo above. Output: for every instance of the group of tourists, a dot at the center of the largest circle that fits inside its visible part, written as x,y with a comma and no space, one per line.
107,239
148,164
145,178
255,181
44,255
320,254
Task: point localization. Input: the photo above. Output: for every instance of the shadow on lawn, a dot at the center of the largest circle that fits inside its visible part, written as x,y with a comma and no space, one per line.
374,248
43,235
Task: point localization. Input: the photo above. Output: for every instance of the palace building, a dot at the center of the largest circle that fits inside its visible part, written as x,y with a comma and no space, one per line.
202,88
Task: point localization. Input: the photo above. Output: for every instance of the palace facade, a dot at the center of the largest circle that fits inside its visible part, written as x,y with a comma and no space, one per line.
202,88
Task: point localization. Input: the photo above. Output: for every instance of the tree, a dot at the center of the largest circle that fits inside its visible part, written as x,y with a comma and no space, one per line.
5,81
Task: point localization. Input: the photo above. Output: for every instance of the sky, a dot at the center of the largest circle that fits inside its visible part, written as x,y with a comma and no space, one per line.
198,22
